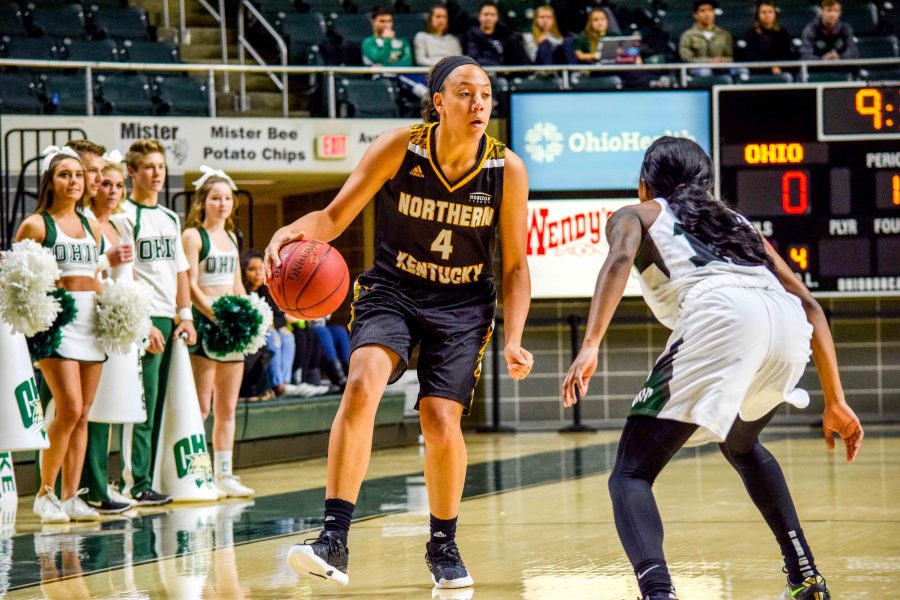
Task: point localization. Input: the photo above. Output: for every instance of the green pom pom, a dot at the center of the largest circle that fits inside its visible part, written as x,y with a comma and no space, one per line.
46,343
235,327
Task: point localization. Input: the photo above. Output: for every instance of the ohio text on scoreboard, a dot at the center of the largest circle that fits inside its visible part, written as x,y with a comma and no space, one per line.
817,170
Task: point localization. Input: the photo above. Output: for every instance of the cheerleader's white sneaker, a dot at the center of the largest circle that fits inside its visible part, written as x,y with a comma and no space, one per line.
78,510
232,487
49,508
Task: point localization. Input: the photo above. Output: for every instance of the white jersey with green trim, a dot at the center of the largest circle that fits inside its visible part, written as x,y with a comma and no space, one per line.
158,254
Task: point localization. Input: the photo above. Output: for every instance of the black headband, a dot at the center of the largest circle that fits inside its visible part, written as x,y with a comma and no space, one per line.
448,65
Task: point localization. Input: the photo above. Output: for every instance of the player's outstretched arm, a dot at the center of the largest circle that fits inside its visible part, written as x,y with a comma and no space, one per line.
624,232
516,276
378,165
838,416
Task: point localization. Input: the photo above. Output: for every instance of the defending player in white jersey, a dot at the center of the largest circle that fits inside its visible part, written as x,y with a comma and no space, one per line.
741,341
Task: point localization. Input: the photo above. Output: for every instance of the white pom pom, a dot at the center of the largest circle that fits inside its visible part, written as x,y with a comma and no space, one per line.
27,274
122,317
265,311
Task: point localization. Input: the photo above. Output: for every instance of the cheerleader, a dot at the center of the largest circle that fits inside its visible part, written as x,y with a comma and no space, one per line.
72,369
212,252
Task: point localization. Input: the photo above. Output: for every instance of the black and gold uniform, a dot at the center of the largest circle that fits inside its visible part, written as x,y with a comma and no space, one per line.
433,282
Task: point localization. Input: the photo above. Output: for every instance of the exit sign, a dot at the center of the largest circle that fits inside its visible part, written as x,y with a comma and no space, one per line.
331,146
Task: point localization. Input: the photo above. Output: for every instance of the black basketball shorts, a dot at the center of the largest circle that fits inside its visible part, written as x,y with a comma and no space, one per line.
451,325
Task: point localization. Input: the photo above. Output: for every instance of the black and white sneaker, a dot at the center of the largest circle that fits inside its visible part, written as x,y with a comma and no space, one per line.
446,566
324,557
109,507
150,498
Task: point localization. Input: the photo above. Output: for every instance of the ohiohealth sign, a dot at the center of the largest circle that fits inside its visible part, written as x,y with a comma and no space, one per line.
596,141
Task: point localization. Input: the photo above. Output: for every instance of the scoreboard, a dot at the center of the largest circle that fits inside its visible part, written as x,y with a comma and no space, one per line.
816,168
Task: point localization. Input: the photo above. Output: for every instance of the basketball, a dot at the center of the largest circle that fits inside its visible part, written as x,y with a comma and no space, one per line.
312,280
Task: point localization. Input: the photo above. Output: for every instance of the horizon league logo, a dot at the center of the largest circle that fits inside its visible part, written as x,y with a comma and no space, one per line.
544,141
192,459
29,404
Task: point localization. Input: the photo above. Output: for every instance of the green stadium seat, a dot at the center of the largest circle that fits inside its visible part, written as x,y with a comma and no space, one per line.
536,84
65,21
877,47
366,98
602,82
352,28
90,50
765,78
304,28
829,76
126,94
863,17
18,95
707,81
182,96
325,7
11,24
408,25
143,51
120,23
67,95
31,48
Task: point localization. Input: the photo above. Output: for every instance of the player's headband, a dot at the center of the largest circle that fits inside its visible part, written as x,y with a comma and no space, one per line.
447,66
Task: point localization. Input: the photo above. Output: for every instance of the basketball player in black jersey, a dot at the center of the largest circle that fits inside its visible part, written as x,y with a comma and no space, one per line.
443,189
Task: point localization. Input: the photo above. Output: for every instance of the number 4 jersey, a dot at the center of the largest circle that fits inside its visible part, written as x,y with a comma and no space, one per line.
434,231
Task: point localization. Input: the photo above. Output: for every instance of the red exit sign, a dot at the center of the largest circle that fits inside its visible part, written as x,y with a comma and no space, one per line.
331,146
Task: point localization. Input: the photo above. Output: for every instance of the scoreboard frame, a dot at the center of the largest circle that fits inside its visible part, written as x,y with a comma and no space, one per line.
817,151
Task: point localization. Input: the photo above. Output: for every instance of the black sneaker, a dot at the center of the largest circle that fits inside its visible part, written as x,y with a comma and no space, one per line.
446,565
109,507
812,588
324,557
150,498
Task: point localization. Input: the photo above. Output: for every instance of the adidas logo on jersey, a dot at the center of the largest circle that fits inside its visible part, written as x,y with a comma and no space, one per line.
416,171
642,396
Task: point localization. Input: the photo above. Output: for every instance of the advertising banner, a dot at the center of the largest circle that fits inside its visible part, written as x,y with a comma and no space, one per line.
596,141
567,246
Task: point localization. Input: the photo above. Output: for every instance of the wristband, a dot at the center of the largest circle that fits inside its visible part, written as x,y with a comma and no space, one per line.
103,263
185,314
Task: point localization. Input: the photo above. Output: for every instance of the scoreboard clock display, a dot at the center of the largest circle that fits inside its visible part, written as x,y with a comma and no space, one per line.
817,170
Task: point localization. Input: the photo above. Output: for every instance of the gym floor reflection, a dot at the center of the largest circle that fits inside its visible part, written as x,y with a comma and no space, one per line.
535,523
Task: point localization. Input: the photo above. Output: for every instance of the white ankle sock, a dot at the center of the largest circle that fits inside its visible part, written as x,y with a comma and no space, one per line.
223,462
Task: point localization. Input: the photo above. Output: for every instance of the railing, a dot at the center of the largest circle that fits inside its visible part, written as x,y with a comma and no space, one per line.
683,71
244,45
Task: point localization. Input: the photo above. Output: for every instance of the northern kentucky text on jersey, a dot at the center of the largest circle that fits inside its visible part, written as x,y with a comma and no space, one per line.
438,273
443,211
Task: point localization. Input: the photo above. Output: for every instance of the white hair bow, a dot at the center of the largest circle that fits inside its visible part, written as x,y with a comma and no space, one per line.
210,172
50,152
113,156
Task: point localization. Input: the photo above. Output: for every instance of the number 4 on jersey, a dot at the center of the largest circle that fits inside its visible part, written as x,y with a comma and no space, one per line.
443,244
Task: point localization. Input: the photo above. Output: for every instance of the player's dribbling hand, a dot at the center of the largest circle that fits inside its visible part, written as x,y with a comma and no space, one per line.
518,361
839,418
271,260
157,343
579,375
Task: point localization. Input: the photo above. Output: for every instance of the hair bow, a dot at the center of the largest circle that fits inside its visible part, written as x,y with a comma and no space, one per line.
113,156
50,152
210,172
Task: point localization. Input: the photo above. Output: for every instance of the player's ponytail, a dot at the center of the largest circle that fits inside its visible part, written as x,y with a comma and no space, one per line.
678,170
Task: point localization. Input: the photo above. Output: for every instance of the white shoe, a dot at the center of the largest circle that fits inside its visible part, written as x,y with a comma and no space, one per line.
78,510
232,487
49,508
115,496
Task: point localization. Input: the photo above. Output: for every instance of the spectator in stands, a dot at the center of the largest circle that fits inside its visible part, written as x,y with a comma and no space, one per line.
436,42
383,48
257,384
542,42
827,37
587,44
335,343
766,41
492,43
705,41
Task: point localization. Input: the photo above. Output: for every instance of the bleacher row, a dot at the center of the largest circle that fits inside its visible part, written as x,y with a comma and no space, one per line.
111,31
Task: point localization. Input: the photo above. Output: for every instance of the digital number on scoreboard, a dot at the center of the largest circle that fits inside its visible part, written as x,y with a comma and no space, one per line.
817,170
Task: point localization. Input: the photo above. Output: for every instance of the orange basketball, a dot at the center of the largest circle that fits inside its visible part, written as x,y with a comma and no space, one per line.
312,280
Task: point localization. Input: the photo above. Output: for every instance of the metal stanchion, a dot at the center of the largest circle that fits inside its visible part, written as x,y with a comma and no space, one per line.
577,425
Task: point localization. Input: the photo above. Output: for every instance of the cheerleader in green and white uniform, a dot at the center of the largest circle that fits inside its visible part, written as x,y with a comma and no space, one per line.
211,248
72,370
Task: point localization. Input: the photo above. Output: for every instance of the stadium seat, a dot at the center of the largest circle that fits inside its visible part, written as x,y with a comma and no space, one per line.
863,17
707,81
366,98
877,47
794,21
326,7
18,95
143,51
408,25
414,6
276,10
127,94
304,28
829,76
66,95
765,78
352,29
11,24
365,7
90,50
536,84
31,48
95,5
120,23
182,96
604,82
58,21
